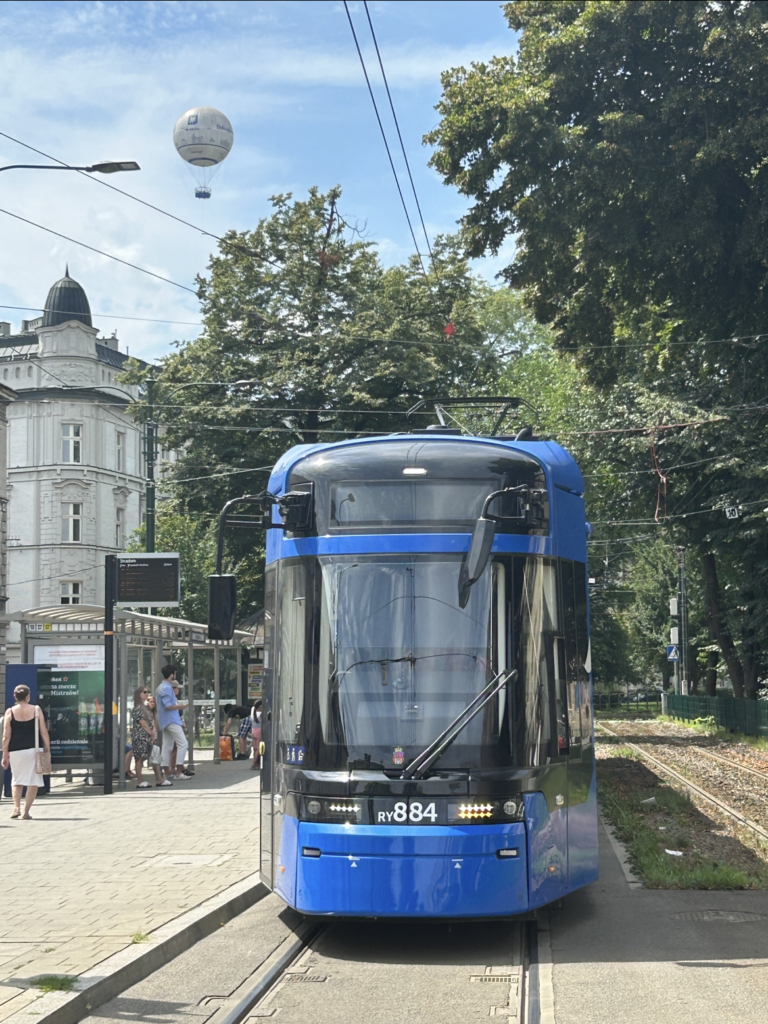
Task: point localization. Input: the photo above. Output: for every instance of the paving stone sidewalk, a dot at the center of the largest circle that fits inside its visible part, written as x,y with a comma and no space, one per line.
91,872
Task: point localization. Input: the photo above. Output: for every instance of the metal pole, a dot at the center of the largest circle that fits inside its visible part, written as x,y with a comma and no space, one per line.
216,695
683,613
150,455
122,661
191,705
239,669
109,667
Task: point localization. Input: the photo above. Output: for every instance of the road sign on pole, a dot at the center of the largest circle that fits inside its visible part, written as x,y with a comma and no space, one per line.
673,652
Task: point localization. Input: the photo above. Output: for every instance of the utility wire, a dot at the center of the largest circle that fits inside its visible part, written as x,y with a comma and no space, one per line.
114,188
100,252
397,126
384,137
107,316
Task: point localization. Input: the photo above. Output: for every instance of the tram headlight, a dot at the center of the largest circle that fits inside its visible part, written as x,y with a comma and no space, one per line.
514,809
481,811
338,810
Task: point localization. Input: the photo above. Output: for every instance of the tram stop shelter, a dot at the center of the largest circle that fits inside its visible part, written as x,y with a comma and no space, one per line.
71,638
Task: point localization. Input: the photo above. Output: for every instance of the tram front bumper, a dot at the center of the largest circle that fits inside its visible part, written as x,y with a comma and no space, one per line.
403,871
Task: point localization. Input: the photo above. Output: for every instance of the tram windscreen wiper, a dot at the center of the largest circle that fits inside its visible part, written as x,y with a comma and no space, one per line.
421,764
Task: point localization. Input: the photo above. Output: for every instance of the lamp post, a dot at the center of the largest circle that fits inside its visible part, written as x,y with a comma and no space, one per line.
105,167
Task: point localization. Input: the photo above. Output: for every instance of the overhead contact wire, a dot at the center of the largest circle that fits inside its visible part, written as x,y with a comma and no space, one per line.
384,137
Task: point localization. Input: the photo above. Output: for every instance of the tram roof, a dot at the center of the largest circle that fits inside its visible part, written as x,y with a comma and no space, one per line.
559,465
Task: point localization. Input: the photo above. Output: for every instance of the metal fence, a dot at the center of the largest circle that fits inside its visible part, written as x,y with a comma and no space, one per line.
746,716
605,701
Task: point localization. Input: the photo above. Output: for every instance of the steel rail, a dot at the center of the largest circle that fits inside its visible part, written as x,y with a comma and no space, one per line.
702,793
272,971
735,764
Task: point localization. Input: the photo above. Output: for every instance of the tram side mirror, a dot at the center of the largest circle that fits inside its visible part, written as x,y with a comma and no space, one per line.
473,567
296,508
222,607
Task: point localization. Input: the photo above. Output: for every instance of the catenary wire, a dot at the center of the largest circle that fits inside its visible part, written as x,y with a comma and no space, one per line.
384,137
100,252
399,135
114,188
106,316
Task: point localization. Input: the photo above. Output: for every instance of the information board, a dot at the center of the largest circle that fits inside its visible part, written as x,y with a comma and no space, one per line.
148,580
255,682
73,657
73,705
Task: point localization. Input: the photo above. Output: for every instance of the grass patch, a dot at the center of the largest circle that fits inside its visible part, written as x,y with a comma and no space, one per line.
54,982
139,937
670,822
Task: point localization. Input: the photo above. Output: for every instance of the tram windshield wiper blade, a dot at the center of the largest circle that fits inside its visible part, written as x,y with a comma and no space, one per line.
421,764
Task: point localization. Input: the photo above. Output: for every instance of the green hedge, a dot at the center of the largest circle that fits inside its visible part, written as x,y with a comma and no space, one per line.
746,716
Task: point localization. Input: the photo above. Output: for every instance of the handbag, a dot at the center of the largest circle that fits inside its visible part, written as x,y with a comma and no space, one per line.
155,756
42,757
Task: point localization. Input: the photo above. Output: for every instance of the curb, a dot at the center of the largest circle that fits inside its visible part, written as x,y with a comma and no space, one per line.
136,962
621,854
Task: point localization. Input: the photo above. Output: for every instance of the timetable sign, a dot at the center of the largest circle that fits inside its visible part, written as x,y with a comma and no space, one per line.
148,580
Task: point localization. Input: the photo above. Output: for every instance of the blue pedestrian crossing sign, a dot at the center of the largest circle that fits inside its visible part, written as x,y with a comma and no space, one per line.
673,652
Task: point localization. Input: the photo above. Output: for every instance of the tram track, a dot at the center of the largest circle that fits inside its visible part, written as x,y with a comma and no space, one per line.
307,974
692,787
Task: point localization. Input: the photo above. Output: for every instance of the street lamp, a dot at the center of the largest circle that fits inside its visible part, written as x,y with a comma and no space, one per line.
105,167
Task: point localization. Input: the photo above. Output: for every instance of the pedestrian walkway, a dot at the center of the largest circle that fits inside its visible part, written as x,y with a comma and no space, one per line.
92,874
623,955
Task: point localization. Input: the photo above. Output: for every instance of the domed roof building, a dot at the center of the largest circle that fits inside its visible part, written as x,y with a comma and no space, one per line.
75,460
66,301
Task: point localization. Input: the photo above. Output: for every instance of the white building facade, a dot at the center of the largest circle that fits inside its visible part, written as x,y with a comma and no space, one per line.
75,460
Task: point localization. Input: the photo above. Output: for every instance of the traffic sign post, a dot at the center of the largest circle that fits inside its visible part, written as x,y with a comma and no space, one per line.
673,652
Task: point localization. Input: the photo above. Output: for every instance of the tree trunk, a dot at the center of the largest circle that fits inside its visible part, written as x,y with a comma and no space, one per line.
718,624
695,668
711,685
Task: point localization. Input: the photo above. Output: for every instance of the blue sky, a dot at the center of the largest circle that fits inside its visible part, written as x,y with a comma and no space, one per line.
89,81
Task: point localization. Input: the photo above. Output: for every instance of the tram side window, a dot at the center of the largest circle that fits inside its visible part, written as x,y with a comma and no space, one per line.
571,651
582,641
538,621
291,624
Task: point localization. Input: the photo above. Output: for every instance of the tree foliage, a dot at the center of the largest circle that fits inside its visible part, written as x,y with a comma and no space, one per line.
624,148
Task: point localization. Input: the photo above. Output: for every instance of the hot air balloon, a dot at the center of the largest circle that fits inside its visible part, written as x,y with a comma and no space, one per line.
203,138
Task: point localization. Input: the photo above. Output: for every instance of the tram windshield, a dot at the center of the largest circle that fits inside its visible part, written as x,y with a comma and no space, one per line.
399,660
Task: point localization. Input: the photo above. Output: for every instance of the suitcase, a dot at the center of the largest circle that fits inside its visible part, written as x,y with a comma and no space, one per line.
227,748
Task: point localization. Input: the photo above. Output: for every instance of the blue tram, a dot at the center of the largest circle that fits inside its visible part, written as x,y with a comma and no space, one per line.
427,712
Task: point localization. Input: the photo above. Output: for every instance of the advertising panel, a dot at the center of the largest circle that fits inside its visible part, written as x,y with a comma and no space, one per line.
73,704
255,682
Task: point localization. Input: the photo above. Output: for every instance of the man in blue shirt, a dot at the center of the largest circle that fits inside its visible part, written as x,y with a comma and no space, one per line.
169,718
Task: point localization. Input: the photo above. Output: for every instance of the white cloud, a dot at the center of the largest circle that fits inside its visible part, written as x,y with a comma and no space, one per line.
108,80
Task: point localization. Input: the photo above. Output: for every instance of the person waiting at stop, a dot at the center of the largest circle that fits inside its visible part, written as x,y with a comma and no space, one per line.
244,729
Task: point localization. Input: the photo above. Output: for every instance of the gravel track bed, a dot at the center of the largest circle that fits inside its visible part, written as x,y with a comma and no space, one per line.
677,747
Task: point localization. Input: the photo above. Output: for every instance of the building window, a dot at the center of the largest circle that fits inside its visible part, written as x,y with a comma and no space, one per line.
120,452
71,438
71,522
119,521
71,593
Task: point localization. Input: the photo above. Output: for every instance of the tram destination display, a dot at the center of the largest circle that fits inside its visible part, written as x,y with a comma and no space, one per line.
148,580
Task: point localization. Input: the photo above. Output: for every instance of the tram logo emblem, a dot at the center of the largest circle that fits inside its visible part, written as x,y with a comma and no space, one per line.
398,755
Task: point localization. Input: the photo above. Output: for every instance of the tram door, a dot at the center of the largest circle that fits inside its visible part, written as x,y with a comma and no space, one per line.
267,731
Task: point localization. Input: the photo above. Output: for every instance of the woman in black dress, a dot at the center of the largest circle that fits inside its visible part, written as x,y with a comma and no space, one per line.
19,752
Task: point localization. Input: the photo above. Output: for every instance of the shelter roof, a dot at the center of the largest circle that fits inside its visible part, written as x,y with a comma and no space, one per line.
74,618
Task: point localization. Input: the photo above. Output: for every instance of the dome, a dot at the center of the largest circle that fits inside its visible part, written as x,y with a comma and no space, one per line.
66,301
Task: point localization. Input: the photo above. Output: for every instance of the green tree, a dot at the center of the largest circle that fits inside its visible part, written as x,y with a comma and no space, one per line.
624,149
308,338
